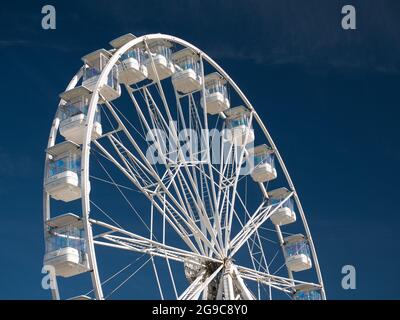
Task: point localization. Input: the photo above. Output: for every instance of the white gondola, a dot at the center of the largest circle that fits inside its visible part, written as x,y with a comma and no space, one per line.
262,164
161,55
131,68
216,94
187,76
297,253
238,128
73,115
63,171
285,214
306,292
66,246
95,62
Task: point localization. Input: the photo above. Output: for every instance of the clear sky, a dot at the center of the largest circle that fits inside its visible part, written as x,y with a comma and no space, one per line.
329,97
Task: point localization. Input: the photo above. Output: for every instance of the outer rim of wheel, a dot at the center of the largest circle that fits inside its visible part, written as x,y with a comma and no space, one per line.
87,144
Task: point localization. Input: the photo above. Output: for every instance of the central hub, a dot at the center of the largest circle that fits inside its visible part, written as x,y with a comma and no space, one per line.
227,262
194,268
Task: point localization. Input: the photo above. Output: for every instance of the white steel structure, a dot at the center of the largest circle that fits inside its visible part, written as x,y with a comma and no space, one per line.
155,179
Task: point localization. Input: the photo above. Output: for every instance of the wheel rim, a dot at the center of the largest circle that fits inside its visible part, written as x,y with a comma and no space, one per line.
211,248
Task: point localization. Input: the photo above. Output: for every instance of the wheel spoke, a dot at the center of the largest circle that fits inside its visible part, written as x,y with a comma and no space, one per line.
277,282
133,242
260,216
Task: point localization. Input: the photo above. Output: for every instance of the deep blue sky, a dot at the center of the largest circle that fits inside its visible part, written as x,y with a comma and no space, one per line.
330,99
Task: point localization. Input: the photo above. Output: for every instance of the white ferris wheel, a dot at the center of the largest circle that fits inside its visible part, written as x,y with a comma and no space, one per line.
161,181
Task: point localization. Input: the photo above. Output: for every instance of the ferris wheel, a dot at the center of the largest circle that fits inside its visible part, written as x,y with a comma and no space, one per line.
162,181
